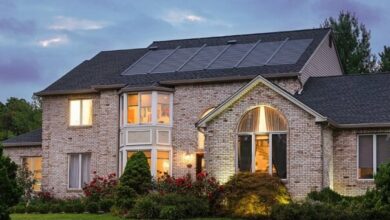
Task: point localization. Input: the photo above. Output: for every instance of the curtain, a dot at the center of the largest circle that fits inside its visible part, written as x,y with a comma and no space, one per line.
250,121
274,120
383,149
85,170
245,153
279,155
74,171
365,151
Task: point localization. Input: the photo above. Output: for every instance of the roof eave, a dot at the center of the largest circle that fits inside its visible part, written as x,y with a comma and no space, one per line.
22,144
364,125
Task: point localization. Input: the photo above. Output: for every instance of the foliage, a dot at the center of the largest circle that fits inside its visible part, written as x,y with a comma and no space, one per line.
65,217
92,207
352,43
100,187
326,195
382,183
17,116
384,62
135,180
25,180
106,204
158,206
253,195
10,192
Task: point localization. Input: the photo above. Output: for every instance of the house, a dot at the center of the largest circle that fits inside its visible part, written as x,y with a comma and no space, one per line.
275,103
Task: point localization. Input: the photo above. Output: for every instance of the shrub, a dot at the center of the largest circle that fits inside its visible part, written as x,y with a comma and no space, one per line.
20,209
55,208
25,180
253,195
68,208
382,182
326,195
92,207
151,206
10,192
31,208
100,187
171,212
106,204
43,208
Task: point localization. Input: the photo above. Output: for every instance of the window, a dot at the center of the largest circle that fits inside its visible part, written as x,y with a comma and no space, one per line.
163,163
81,112
79,170
262,142
373,150
163,108
147,153
146,108
149,108
34,165
132,108
159,160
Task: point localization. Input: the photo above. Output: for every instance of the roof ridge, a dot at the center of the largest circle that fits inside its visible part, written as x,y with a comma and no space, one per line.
239,35
351,75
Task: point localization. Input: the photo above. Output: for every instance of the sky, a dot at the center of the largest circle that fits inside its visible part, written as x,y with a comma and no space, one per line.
42,40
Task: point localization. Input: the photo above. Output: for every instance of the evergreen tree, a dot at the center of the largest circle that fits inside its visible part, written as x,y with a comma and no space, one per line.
10,192
384,63
352,43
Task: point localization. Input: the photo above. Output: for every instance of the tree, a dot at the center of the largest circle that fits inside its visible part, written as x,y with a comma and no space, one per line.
10,192
384,63
17,116
352,43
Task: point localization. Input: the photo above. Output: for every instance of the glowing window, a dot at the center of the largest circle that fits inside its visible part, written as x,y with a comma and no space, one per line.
132,108
147,153
163,163
262,119
34,165
163,108
146,108
81,112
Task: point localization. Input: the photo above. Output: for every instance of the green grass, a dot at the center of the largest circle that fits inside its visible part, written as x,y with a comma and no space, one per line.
77,217
63,217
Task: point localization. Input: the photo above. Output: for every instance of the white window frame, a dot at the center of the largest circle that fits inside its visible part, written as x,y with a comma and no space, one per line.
81,112
253,165
153,149
80,168
154,104
139,143
374,155
158,137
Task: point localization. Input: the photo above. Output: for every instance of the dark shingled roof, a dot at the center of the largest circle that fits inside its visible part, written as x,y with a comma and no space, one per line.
350,99
32,138
106,67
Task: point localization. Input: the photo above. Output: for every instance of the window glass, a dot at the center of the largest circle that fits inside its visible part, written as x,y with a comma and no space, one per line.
34,165
163,163
163,108
85,172
147,153
146,108
382,149
132,108
74,171
245,153
263,119
262,154
365,157
87,112
279,155
75,114
200,163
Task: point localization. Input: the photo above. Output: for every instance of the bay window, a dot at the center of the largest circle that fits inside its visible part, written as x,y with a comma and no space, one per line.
149,108
80,112
373,150
78,170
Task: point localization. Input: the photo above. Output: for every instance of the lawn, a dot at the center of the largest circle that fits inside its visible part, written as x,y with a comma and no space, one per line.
76,217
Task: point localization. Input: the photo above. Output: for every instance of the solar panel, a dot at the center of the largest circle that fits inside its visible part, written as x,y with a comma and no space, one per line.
146,63
173,62
231,56
203,58
290,52
260,54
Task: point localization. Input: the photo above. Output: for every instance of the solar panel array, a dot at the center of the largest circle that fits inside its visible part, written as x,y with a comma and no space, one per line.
220,57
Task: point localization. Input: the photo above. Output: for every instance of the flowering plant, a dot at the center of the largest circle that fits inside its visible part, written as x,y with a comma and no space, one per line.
100,187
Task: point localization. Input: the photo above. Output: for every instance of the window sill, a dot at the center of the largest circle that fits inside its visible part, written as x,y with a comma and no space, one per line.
79,126
365,180
74,190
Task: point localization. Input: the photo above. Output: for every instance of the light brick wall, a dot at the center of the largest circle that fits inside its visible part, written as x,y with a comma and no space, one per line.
346,180
58,139
327,142
304,153
17,153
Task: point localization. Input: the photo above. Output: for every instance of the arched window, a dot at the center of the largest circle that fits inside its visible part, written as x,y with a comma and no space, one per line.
262,147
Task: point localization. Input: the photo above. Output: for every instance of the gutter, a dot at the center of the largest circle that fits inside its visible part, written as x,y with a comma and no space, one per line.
22,144
93,89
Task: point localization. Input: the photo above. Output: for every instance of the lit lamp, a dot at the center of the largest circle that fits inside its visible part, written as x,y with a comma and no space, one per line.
188,159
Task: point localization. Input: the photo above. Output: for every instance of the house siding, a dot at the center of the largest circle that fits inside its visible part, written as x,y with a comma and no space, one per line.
304,153
58,139
324,62
346,181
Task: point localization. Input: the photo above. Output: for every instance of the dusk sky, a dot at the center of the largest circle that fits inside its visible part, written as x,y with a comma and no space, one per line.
42,40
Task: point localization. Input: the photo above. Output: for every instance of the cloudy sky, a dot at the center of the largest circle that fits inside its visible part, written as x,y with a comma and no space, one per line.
42,40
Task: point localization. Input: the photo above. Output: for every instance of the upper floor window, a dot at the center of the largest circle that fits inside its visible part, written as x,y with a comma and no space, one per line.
80,112
149,108
373,150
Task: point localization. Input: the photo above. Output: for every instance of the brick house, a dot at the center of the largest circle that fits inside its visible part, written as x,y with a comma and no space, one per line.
276,103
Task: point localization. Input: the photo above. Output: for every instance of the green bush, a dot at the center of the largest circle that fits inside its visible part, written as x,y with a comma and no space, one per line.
55,208
106,204
326,195
68,208
31,208
10,192
171,212
251,195
19,209
43,208
152,205
382,182
92,207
